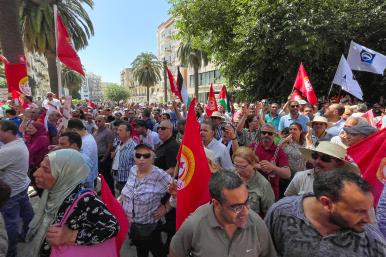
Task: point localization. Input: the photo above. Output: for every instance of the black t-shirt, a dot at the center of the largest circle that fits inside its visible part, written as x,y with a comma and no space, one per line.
166,154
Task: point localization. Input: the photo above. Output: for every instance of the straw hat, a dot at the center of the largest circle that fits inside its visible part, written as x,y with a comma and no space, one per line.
332,150
320,119
217,115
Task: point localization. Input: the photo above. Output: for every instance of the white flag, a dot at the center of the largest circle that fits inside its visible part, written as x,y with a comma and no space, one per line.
364,59
344,78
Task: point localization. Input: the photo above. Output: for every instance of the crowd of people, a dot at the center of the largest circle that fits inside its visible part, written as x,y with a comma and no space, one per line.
281,185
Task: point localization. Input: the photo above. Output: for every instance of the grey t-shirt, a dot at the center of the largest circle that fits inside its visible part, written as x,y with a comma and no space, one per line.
294,236
14,166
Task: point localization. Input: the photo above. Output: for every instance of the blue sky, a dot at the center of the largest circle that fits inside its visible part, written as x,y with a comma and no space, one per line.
123,29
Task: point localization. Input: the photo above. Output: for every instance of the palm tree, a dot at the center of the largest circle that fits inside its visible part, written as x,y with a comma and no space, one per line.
147,71
194,58
10,36
73,81
38,29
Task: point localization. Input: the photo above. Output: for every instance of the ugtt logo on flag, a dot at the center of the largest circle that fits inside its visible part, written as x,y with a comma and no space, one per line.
367,57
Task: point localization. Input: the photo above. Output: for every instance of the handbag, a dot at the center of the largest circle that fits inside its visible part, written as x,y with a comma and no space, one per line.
106,249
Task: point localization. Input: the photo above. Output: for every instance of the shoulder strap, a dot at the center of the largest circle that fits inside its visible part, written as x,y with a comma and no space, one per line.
71,208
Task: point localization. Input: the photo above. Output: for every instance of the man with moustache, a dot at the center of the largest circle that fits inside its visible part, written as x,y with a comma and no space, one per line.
273,160
224,227
334,220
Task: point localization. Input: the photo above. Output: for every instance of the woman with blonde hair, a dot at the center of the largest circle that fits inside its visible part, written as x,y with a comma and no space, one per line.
261,195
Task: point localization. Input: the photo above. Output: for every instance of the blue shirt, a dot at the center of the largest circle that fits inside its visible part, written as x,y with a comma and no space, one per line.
336,129
274,121
286,121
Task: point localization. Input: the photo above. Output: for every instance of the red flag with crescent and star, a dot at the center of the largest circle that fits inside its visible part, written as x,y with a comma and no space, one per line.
212,103
193,172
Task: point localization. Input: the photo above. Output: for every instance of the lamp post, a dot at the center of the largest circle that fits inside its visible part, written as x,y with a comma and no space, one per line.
165,81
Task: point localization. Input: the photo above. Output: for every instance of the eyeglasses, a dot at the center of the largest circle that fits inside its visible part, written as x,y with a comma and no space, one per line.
319,123
241,167
323,157
266,133
162,128
144,155
97,121
294,106
237,208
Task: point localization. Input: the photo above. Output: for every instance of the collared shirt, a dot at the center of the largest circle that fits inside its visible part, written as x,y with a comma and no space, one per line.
337,128
221,154
302,183
273,120
280,160
202,235
286,121
294,236
90,148
151,139
125,160
142,197
14,166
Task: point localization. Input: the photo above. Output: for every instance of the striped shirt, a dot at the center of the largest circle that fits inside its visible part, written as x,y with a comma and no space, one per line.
142,197
126,161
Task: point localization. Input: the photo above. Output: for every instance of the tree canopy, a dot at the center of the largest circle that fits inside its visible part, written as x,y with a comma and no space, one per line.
116,93
259,44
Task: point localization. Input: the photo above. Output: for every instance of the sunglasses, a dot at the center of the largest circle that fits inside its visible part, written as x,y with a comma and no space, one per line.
237,208
162,128
294,106
323,157
144,155
267,133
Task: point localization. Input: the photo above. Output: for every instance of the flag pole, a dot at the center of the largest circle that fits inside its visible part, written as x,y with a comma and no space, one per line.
329,91
58,64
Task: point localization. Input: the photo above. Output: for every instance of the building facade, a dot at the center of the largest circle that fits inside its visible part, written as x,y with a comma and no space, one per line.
137,92
92,87
167,48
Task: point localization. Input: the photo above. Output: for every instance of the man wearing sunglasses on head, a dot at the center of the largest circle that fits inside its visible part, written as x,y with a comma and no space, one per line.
273,160
325,157
293,116
226,226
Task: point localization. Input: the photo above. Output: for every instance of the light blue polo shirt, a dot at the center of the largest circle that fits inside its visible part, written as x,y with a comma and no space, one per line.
286,121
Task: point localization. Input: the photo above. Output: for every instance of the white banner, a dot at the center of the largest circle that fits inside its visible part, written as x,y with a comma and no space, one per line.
345,78
364,59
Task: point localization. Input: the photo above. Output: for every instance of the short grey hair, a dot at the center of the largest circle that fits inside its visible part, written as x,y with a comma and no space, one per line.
359,120
224,179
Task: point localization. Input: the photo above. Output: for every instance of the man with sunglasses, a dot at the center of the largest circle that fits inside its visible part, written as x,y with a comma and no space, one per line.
224,227
293,116
325,157
273,162
334,220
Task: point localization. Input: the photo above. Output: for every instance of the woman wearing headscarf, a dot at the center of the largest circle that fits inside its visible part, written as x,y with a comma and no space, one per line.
61,175
37,143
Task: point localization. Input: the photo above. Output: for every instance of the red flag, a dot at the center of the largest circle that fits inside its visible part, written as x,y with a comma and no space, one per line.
212,103
90,103
173,87
369,116
116,209
303,83
369,154
64,49
17,79
296,95
193,173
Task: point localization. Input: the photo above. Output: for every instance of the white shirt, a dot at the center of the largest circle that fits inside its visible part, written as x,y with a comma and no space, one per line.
221,154
151,139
